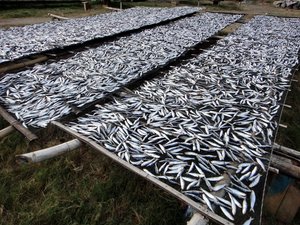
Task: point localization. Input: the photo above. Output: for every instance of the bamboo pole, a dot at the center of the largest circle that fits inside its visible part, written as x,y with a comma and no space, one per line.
57,17
115,9
286,150
17,125
6,131
16,66
48,153
199,207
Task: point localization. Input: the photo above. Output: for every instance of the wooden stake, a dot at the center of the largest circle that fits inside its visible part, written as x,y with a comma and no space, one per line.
287,106
84,5
273,170
197,219
282,125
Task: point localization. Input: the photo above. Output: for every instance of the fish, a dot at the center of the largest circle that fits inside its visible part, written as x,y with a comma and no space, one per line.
51,91
252,200
226,213
23,41
214,115
248,222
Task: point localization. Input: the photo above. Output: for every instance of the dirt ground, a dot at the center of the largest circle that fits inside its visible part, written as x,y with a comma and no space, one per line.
253,8
43,16
22,21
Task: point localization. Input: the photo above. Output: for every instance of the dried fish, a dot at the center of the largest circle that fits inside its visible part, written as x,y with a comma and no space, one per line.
17,42
219,114
50,91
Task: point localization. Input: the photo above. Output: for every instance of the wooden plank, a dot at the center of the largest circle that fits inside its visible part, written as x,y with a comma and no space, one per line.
17,125
200,208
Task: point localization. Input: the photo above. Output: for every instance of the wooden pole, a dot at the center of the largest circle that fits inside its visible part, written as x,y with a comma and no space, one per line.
57,17
48,153
285,166
16,66
288,151
17,125
197,219
84,5
6,131
111,8
200,208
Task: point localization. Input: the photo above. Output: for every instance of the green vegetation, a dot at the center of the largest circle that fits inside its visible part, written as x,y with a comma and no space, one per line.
83,187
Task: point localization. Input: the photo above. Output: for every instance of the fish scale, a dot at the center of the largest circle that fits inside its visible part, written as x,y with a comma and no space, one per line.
219,115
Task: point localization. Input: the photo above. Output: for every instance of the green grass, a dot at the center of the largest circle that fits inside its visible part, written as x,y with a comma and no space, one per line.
83,187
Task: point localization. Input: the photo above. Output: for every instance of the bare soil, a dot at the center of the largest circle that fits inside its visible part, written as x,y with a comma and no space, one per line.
22,21
252,8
